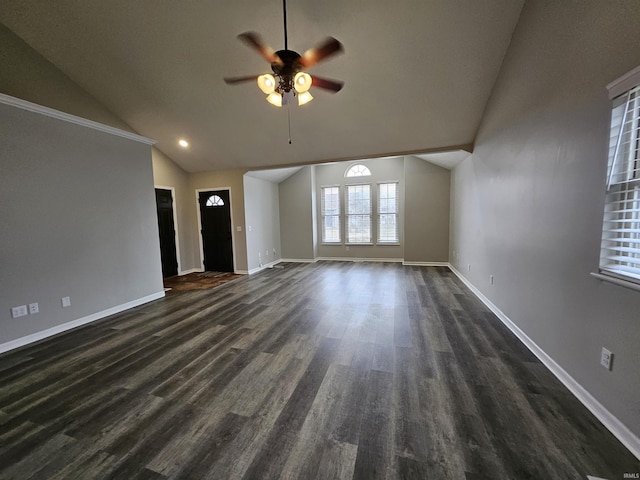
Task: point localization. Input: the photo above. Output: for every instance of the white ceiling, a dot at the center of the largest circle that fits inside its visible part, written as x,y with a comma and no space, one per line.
447,160
417,73
274,175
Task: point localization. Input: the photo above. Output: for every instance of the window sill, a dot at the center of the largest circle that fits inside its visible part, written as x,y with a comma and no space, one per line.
617,281
388,244
358,244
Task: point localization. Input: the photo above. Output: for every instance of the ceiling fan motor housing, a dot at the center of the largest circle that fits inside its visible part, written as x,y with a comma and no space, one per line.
286,69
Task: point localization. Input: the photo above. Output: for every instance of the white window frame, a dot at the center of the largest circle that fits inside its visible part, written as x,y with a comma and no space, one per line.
620,248
357,170
324,215
348,215
214,201
394,213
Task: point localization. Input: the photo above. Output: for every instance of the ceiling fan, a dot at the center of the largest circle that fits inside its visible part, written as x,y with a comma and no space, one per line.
289,78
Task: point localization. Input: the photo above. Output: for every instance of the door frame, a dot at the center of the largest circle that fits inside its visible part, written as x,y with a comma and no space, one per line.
233,238
175,222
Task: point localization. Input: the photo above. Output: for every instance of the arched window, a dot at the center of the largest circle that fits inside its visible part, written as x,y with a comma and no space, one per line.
214,201
357,170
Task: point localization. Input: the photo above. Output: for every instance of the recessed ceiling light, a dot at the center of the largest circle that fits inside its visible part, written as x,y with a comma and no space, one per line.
183,143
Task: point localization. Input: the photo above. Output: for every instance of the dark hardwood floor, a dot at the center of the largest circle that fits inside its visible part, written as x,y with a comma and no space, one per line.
327,371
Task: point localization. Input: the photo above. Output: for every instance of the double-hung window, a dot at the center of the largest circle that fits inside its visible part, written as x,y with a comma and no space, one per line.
620,250
388,212
330,207
358,213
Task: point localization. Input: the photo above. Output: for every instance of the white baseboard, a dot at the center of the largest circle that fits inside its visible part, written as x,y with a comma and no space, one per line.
263,267
191,270
426,264
615,426
49,332
356,259
298,260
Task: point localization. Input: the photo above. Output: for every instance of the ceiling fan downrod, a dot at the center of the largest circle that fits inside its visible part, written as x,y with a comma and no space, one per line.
284,9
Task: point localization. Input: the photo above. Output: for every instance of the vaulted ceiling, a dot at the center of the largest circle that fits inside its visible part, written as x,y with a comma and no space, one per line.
417,73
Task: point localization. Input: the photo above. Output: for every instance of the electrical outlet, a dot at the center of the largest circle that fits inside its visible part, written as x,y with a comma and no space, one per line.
606,358
491,279
33,308
469,267
66,302
20,311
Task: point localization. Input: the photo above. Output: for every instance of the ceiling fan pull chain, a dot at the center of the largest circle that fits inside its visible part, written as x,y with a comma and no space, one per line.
289,120
284,9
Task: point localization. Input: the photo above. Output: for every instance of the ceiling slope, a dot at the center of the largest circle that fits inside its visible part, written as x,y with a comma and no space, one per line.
417,73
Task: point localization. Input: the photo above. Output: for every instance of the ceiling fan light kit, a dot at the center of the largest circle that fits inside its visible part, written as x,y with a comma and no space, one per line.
288,79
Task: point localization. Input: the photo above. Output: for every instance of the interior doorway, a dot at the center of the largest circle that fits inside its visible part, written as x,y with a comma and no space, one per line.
216,230
167,231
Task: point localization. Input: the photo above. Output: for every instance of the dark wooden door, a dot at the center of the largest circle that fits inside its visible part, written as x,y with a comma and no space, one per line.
217,243
164,205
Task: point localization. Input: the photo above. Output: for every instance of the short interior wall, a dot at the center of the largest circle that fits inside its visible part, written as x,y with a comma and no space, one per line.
73,225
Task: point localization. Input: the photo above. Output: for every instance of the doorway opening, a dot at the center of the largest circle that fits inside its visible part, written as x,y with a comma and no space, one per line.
167,232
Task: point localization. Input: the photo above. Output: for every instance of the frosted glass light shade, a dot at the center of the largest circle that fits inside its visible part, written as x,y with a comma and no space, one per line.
275,99
304,97
302,82
267,83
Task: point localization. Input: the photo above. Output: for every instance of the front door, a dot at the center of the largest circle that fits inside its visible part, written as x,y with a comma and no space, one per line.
217,242
164,205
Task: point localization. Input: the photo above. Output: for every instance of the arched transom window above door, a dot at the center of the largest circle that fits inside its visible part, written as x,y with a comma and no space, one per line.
214,201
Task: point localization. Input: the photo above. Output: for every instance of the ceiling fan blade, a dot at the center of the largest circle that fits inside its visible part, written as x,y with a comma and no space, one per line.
234,80
254,40
330,46
327,84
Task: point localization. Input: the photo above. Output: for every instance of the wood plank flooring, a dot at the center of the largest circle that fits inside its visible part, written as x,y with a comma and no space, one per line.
310,371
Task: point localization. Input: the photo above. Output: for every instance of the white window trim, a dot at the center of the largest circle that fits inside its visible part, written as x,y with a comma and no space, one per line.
617,88
378,214
346,172
625,83
346,212
340,233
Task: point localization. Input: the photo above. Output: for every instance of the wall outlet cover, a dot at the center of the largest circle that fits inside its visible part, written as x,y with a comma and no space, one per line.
20,311
606,358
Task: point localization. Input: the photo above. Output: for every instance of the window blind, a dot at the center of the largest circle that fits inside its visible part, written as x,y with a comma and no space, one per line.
620,250
330,207
388,213
358,213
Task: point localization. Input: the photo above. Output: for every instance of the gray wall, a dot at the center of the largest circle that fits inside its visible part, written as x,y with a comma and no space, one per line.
297,215
527,205
28,75
382,170
72,223
426,211
423,221
262,218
